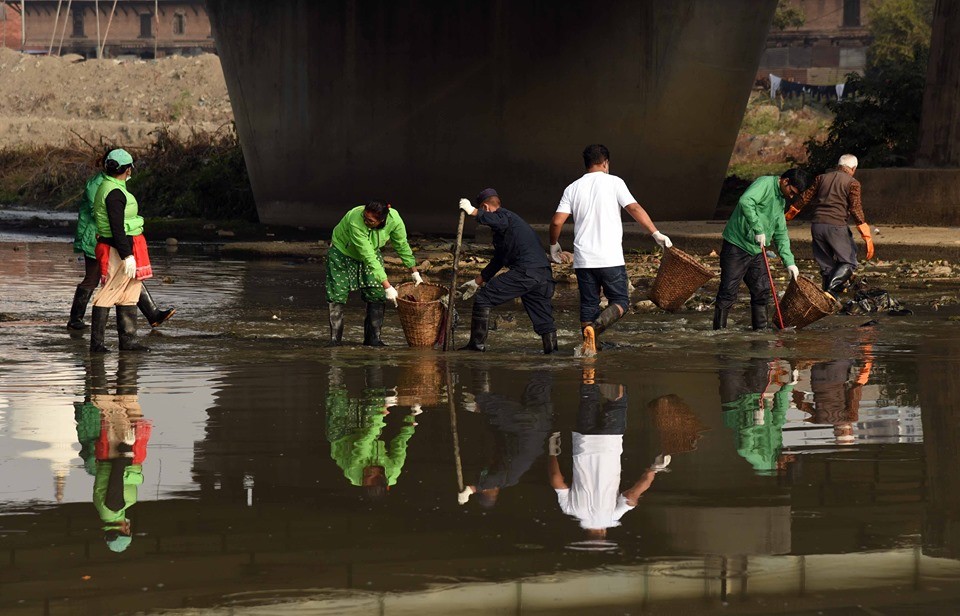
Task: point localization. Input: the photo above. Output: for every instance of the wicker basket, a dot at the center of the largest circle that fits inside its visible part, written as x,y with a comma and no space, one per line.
421,315
676,424
803,303
678,278
421,383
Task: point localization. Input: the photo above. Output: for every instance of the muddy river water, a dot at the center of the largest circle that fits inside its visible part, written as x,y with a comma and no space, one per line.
809,472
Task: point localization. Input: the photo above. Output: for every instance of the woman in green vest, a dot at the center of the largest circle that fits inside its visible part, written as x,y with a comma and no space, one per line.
121,254
85,243
354,263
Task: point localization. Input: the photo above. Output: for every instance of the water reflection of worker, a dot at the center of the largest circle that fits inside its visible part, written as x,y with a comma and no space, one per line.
520,429
120,450
354,427
593,496
757,421
835,396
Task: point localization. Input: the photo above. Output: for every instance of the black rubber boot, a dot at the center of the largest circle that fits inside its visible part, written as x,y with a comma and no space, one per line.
609,316
720,317
127,329
549,343
336,323
373,324
758,317
80,300
479,326
154,315
98,329
839,279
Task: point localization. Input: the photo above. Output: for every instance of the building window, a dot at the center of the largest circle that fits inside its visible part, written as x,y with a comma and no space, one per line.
851,13
78,23
146,25
180,24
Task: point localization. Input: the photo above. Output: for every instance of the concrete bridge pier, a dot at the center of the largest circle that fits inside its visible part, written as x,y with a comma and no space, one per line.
420,102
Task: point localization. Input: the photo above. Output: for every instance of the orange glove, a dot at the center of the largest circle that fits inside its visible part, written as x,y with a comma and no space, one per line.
792,212
864,230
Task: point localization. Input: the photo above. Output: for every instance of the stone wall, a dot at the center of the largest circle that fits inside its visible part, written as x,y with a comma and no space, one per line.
911,196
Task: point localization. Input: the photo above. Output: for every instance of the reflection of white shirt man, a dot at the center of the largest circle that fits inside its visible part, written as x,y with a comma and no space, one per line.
594,496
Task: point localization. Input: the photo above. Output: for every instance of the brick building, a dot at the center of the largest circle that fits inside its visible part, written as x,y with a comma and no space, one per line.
832,42
9,27
144,28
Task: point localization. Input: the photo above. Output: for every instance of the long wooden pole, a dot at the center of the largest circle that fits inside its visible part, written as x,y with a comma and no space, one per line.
156,35
23,24
103,43
453,423
63,33
56,22
448,343
96,9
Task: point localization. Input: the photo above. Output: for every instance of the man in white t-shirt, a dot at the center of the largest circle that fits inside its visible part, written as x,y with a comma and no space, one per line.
593,496
595,201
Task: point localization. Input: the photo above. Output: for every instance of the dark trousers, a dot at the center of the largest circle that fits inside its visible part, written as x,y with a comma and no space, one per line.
91,275
613,281
833,245
534,287
598,414
736,266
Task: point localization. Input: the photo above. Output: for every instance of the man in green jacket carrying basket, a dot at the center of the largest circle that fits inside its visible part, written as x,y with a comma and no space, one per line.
757,219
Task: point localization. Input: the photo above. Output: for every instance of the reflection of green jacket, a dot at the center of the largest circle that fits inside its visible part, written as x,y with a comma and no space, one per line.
759,445
85,240
132,478
87,417
353,429
760,210
354,239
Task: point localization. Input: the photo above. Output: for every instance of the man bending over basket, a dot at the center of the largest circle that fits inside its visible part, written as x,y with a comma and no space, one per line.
515,245
354,263
757,218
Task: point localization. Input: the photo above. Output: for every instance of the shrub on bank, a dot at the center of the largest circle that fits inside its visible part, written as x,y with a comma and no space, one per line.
202,176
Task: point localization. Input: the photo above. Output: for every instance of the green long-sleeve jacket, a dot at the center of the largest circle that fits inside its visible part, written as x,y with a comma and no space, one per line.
353,429
354,239
85,240
759,445
760,210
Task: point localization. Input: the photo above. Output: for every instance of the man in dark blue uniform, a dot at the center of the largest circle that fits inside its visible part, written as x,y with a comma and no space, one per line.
530,278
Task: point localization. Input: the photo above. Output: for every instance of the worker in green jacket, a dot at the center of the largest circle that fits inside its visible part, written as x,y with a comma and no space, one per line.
354,426
757,219
757,423
354,263
85,243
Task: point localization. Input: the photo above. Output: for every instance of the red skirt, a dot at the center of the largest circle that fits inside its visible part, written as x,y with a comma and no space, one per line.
140,253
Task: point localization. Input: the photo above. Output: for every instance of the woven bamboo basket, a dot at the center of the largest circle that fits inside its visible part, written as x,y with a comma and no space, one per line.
678,278
804,302
676,424
421,312
421,383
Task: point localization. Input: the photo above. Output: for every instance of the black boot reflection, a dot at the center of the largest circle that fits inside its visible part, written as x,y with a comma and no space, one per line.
519,428
120,448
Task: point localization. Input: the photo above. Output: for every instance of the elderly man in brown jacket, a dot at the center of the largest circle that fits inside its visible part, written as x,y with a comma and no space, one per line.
836,198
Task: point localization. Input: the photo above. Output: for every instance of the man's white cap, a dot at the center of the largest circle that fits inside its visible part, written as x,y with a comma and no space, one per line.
849,161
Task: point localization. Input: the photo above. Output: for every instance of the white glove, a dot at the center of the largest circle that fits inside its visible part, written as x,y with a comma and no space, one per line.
130,267
794,271
417,279
470,288
466,207
554,444
392,295
794,377
661,463
389,401
555,253
662,240
761,238
464,496
415,409
758,419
